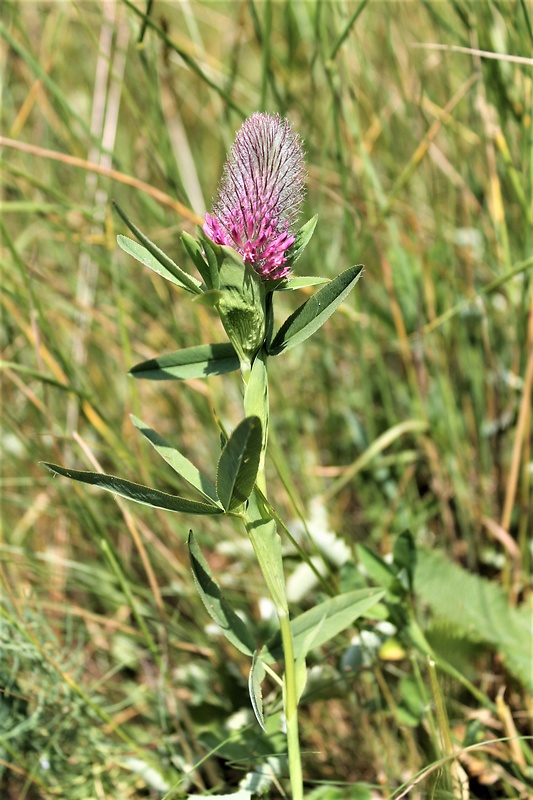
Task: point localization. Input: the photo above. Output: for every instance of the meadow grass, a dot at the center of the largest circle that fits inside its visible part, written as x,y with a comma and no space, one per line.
409,411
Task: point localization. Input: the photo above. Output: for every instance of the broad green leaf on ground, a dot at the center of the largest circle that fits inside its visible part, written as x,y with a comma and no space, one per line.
477,607
327,619
135,491
200,361
218,608
188,282
179,462
257,673
238,464
312,314
148,260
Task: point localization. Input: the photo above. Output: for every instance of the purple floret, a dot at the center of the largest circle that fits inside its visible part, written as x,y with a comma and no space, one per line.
260,194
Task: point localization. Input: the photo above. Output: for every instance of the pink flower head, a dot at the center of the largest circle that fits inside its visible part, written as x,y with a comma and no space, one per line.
260,194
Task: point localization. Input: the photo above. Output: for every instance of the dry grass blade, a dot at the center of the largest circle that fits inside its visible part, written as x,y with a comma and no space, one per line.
108,172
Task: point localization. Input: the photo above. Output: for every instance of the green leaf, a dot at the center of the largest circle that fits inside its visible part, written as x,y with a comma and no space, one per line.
404,557
323,622
300,666
192,362
257,674
238,464
376,568
478,608
135,491
210,258
301,240
218,608
300,669
210,298
179,462
145,257
185,280
312,314
289,284
267,548
194,251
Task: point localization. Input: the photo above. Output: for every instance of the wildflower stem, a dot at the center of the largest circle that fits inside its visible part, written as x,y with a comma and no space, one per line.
261,528
261,479
290,701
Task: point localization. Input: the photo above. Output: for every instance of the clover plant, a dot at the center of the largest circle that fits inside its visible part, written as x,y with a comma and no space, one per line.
245,254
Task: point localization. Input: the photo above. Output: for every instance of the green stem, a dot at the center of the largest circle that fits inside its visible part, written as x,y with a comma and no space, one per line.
261,528
290,701
267,547
260,481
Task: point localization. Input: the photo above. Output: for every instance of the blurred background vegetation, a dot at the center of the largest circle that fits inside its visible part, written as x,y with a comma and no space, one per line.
409,411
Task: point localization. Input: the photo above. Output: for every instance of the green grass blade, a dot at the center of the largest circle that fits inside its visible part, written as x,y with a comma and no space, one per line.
191,62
